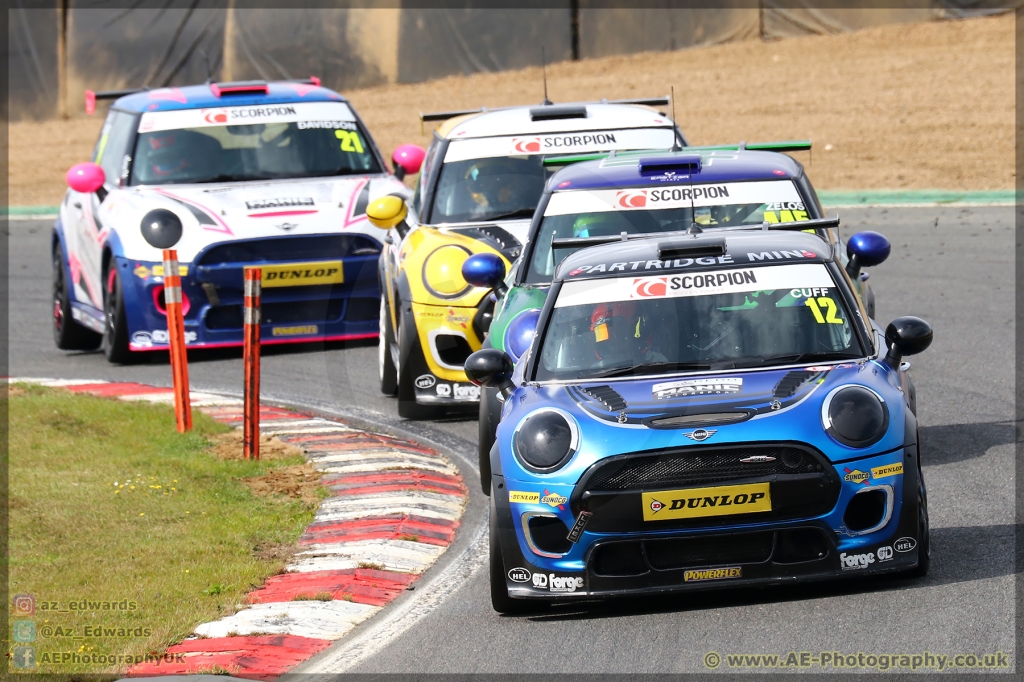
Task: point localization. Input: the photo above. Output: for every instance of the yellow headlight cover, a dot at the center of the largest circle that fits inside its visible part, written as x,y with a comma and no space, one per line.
443,269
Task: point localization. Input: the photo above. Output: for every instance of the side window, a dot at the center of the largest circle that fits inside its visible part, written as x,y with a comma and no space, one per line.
112,146
421,187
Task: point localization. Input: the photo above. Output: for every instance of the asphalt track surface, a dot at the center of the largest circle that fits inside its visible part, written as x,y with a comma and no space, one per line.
952,266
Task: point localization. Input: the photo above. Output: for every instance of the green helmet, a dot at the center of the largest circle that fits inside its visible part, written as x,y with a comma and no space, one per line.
591,221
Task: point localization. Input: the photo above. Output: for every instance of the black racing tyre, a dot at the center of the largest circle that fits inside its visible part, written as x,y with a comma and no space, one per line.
924,544
385,365
115,324
500,601
412,362
487,425
68,334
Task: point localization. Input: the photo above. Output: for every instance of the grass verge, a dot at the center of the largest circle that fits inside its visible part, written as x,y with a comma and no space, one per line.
126,533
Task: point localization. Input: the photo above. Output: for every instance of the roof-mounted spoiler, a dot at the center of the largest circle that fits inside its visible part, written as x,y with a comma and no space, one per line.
643,101
218,89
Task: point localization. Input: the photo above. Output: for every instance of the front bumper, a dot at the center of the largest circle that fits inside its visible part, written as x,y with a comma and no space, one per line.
447,335
213,313
638,561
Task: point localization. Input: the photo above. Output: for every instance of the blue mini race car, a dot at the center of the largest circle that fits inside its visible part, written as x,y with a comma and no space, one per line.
693,415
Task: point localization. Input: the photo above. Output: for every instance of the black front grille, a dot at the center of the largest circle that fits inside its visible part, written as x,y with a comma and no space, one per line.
284,249
696,466
747,548
287,312
637,557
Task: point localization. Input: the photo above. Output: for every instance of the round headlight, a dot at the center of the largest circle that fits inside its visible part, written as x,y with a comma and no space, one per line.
442,272
161,228
855,416
546,440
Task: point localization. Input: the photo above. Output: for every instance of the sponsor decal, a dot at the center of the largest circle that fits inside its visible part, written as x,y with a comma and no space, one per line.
884,553
456,319
160,336
779,255
425,381
700,434
712,282
526,145
651,286
523,497
856,476
713,574
701,502
294,331
329,125
631,198
142,339
811,292
519,575
303,274
143,272
553,500
757,459
577,528
285,202
467,392
557,583
444,390
887,470
905,544
689,387
215,116
853,562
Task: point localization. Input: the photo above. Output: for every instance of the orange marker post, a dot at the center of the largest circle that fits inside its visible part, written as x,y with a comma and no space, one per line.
251,356
176,339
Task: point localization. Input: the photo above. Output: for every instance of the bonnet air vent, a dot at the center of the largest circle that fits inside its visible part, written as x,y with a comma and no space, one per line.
607,396
500,238
553,112
791,382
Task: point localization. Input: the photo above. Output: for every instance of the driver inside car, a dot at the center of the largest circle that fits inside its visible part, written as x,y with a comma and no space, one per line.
621,336
499,186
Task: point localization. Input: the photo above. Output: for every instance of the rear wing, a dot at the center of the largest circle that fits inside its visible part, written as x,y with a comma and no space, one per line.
779,146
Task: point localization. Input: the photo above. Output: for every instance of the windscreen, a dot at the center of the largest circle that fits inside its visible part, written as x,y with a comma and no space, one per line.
720,319
601,213
502,178
315,139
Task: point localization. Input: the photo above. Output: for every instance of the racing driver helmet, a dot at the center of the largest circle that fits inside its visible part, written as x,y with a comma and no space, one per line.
619,336
499,184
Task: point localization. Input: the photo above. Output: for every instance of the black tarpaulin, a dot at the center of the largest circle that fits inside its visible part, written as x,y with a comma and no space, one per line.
32,62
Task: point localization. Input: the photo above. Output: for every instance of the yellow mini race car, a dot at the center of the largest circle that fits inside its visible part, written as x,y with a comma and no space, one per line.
479,184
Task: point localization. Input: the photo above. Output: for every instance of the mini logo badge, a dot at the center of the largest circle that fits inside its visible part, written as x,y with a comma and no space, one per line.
905,545
425,381
701,434
519,575
757,459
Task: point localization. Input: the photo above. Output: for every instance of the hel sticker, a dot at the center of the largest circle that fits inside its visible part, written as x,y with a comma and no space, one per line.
713,574
303,274
688,387
710,283
700,502
524,498
294,331
682,196
887,470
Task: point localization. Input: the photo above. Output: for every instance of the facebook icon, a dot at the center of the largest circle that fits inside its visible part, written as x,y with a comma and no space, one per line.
24,657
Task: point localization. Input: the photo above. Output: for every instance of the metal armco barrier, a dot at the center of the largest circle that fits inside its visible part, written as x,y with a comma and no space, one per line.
176,339
251,355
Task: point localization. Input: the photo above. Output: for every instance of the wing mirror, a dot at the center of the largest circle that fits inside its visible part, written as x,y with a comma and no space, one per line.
491,368
387,212
866,250
485,270
408,158
85,177
906,336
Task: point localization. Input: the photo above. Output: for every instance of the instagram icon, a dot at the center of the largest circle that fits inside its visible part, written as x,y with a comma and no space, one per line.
24,605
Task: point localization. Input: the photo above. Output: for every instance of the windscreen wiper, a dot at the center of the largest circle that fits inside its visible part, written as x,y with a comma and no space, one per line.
797,358
635,369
